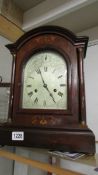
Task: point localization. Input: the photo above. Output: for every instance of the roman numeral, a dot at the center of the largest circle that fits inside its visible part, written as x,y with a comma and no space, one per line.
31,77
30,94
44,103
60,94
60,76
62,85
38,71
36,100
46,57
54,70
29,85
45,69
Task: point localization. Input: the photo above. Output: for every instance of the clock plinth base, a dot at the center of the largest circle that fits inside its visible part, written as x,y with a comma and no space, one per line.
72,140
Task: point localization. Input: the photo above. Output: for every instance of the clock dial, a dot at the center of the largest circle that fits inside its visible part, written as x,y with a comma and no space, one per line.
45,82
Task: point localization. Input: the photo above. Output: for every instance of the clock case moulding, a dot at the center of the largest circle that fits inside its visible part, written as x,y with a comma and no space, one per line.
53,129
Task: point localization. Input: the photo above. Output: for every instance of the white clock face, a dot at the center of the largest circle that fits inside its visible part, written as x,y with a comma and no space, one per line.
45,82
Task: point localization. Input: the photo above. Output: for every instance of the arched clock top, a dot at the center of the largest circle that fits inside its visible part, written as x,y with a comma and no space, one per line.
44,30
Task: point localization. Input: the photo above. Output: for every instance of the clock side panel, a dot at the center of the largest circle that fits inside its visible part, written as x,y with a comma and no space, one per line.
47,117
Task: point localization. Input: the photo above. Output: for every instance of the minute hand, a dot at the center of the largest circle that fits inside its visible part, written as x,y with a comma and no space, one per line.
45,86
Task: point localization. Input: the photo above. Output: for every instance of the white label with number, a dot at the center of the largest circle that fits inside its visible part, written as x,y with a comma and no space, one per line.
18,135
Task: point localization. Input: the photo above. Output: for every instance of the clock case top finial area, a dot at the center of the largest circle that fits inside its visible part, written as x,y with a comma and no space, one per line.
54,129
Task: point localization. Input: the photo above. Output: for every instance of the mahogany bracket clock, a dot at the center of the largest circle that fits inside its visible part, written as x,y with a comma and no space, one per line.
47,101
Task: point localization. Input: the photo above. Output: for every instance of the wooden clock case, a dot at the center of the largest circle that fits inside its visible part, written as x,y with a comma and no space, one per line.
53,129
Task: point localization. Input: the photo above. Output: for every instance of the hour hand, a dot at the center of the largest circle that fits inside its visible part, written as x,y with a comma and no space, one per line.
52,97
39,71
45,86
